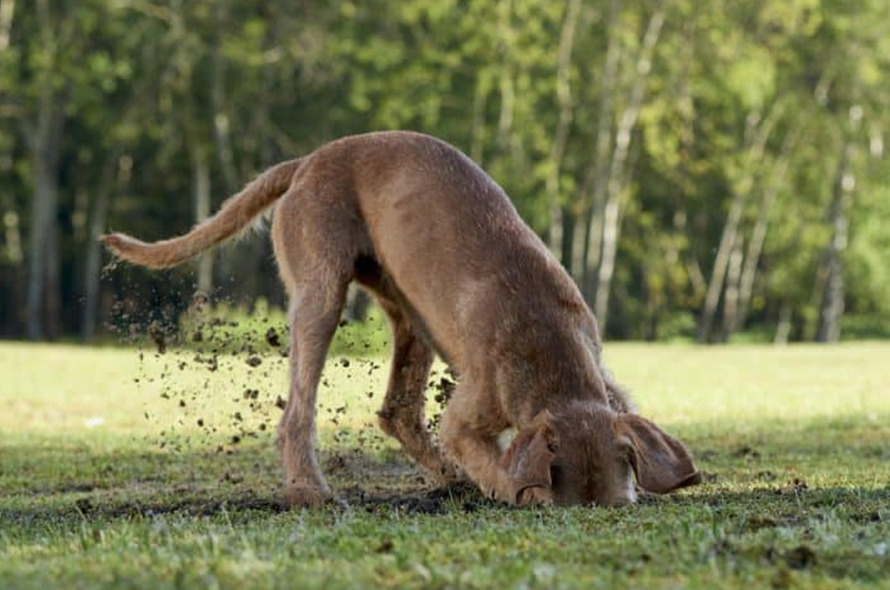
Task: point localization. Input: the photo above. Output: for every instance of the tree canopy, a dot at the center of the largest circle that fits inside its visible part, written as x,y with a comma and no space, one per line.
703,170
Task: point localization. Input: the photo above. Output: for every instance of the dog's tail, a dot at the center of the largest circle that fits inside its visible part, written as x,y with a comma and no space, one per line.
234,215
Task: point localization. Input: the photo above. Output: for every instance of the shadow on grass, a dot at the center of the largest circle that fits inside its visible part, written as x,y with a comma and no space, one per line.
751,476
460,496
197,483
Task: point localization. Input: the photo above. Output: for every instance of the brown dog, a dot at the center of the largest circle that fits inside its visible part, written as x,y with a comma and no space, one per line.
446,255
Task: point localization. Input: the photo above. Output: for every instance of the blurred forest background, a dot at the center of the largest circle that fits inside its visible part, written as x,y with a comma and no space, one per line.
707,170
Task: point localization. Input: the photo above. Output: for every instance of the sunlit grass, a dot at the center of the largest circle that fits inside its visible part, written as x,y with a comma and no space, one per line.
120,468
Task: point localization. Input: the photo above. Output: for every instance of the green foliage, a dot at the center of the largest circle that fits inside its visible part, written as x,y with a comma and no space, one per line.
733,94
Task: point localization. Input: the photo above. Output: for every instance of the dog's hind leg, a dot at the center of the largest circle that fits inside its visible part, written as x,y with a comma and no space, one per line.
403,413
314,314
315,248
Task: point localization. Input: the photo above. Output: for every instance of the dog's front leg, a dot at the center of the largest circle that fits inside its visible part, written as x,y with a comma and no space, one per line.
472,444
478,457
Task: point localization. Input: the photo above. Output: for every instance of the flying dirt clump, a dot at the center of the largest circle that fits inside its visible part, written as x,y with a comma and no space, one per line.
272,338
199,342
156,333
220,382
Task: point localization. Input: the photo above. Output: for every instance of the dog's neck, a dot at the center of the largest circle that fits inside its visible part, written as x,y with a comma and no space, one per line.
558,366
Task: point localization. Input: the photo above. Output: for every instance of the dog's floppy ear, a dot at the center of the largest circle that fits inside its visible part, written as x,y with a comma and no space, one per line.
660,462
527,462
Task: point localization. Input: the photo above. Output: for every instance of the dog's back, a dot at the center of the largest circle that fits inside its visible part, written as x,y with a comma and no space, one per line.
449,238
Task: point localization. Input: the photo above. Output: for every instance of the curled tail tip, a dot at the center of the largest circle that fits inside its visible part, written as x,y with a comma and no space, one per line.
129,249
116,242
110,240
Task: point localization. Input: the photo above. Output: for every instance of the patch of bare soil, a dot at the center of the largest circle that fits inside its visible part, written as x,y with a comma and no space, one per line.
395,484
189,506
361,481
457,497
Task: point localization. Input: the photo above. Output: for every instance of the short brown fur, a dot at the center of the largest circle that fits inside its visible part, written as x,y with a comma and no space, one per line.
443,250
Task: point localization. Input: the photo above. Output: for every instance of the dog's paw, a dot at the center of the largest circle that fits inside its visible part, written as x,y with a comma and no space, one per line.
308,497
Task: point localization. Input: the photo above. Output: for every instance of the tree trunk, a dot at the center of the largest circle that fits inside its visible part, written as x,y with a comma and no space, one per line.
733,286
12,276
586,247
783,327
561,135
231,178
832,307
735,320
44,140
758,235
111,168
52,323
221,131
618,175
721,261
477,134
505,82
757,133
7,10
261,256
201,191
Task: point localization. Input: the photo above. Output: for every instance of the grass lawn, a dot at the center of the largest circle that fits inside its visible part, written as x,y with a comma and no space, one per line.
121,468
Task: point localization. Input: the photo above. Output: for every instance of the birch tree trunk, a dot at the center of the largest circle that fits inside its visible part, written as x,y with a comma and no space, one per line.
585,257
735,319
783,326
832,307
733,287
758,235
7,9
477,135
505,82
758,132
566,113
617,175
201,191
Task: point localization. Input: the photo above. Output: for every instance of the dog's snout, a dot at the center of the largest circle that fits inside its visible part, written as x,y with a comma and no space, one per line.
624,495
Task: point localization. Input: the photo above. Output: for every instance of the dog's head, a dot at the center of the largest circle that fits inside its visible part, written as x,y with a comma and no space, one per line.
590,454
